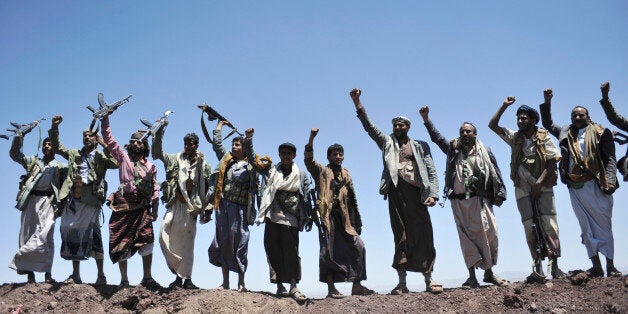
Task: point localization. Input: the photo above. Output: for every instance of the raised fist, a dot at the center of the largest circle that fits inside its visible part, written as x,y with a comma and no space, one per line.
313,132
605,88
249,132
424,111
548,94
509,100
56,120
355,94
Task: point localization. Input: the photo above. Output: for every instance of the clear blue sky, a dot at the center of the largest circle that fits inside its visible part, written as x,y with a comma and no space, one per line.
285,67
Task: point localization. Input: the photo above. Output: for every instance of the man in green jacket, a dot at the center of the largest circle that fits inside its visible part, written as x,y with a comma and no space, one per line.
83,193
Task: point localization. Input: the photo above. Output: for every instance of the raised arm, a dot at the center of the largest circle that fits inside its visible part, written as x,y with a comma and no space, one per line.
611,114
312,166
16,151
110,142
494,123
53,133
546,114
435,136
250,153
369,127
217,145
157,151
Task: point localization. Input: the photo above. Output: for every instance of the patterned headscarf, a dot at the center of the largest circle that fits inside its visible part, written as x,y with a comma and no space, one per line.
401,119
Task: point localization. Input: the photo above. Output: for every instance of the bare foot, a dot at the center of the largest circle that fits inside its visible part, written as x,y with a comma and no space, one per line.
224,286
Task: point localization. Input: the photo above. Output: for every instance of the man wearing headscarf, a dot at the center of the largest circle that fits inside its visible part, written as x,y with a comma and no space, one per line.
410,183
84,191
533,171
589,169
473,183
135,205
37,200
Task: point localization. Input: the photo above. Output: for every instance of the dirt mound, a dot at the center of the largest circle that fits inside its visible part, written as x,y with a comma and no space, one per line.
556,296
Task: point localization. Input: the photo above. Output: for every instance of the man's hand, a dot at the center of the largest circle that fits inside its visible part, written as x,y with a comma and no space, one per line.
424,112
610,190
154,213
499,201
547,95
605,88
509,100
56,120
355,96
313,133
430,201
101,141
206,216
249,132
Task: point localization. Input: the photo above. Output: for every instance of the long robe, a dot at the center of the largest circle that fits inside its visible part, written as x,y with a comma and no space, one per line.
594,210
412,229
36,240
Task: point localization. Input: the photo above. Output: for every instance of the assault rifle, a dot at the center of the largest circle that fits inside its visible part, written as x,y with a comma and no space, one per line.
211,116
540,246
622,163
104,108
154,127
19,129
314,216
620,138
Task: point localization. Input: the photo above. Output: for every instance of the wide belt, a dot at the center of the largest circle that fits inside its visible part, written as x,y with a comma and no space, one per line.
41,193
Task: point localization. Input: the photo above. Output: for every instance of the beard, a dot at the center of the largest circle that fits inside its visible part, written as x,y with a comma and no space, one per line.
467,140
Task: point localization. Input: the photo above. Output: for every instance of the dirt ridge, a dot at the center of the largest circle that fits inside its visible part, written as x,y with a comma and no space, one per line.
576,293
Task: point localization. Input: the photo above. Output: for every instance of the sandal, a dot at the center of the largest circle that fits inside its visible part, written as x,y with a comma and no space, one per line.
335,294
175,284
73,279
433,287
494,279
471,284
535,278
558,274
595,272
613,272
400,289
297,295
101,280
189,285
282,292
150,283
362,291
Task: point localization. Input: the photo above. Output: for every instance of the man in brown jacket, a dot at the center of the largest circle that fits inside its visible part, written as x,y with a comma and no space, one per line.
342,252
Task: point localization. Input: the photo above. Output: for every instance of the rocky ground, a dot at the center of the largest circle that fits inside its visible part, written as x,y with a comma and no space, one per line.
577,293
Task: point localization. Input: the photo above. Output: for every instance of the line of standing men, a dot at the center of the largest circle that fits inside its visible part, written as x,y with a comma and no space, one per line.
473,183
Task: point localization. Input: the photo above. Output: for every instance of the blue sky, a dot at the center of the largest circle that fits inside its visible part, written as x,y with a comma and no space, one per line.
285,67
